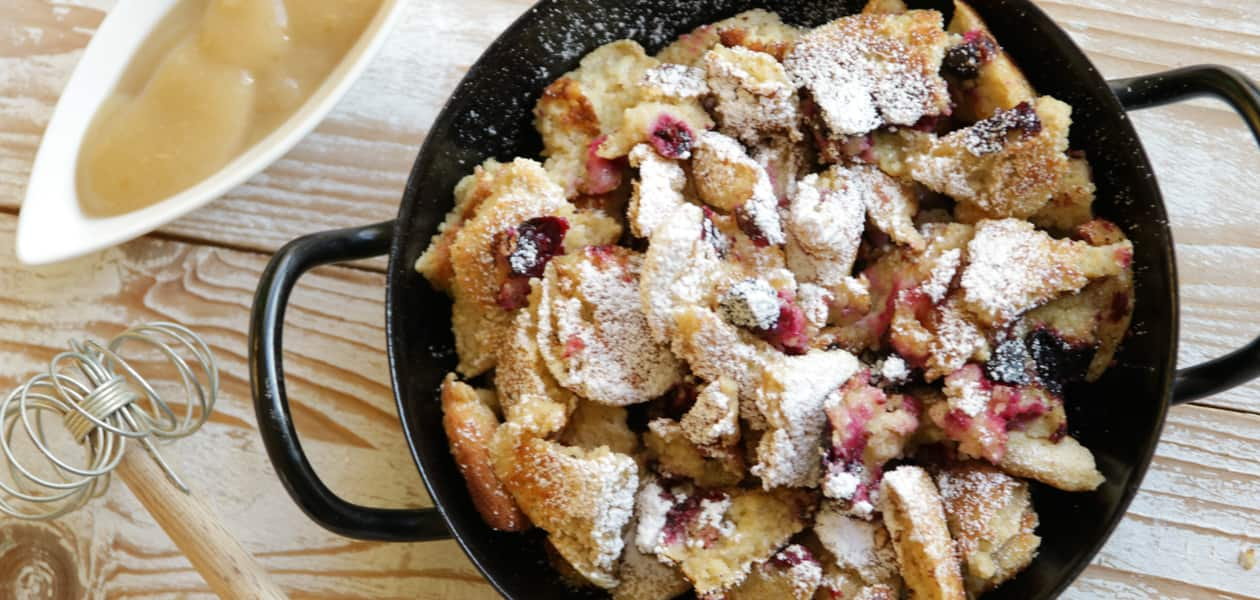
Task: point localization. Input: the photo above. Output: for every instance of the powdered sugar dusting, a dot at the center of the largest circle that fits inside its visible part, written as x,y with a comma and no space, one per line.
913,510
757,209
592,329
840,485
989,136
652,504
583,498
855,544
715,415
824,225
814,301
944,172
751,303
917,497
983,504
1013,267
608,323
657,191
968,395
676,81
893,369
711,517
754,97
955,488
715,349
679,269
614,507
862,79
891,206
957,340
803,570
762,210
942,275
975,485
793,393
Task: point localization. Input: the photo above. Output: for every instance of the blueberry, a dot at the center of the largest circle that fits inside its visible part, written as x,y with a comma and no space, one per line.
1009,363
1057,362
962,61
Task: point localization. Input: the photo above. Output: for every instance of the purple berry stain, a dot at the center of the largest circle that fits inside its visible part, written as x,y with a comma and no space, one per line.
1056,361
788,334
671,137
965,60
525,252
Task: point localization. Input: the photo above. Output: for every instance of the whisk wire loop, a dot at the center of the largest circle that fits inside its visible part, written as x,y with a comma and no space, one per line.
101,400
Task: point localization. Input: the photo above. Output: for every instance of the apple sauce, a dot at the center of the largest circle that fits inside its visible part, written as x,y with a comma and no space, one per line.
214,78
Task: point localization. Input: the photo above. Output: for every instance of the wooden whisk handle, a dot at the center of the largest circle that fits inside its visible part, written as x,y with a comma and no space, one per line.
194,527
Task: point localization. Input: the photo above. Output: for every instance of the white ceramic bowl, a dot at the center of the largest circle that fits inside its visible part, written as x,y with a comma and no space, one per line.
52,226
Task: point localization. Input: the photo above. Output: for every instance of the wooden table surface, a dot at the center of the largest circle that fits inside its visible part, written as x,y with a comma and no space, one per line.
1198,509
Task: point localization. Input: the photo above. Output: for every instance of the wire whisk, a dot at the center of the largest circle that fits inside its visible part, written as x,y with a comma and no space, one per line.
101,401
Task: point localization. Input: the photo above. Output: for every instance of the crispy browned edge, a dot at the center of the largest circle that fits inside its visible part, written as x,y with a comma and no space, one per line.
469,425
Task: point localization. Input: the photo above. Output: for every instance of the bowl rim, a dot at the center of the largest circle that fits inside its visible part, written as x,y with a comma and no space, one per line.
52,226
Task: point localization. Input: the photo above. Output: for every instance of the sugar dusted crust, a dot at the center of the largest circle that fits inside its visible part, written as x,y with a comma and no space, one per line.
999,85
756,30
765,521
867,71
518,191
1014,268
581,498
995,170
786,313
991,517
470,425
916,519
753,97
826,218
713,421
860,548
891,205
679,270
794,391
657,192
530,395
592,332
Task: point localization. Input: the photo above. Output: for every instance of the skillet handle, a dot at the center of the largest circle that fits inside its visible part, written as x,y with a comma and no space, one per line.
1223,83
266,376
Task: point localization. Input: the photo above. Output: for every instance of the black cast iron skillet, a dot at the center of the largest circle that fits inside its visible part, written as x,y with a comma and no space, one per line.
1119,418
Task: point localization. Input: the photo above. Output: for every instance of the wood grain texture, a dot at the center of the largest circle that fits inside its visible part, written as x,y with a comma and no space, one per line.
197,530
337,380
1199,506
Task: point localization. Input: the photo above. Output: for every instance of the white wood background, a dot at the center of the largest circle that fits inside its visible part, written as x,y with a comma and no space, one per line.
1199,507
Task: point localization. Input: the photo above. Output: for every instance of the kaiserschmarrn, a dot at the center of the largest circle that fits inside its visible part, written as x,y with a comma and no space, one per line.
783,313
